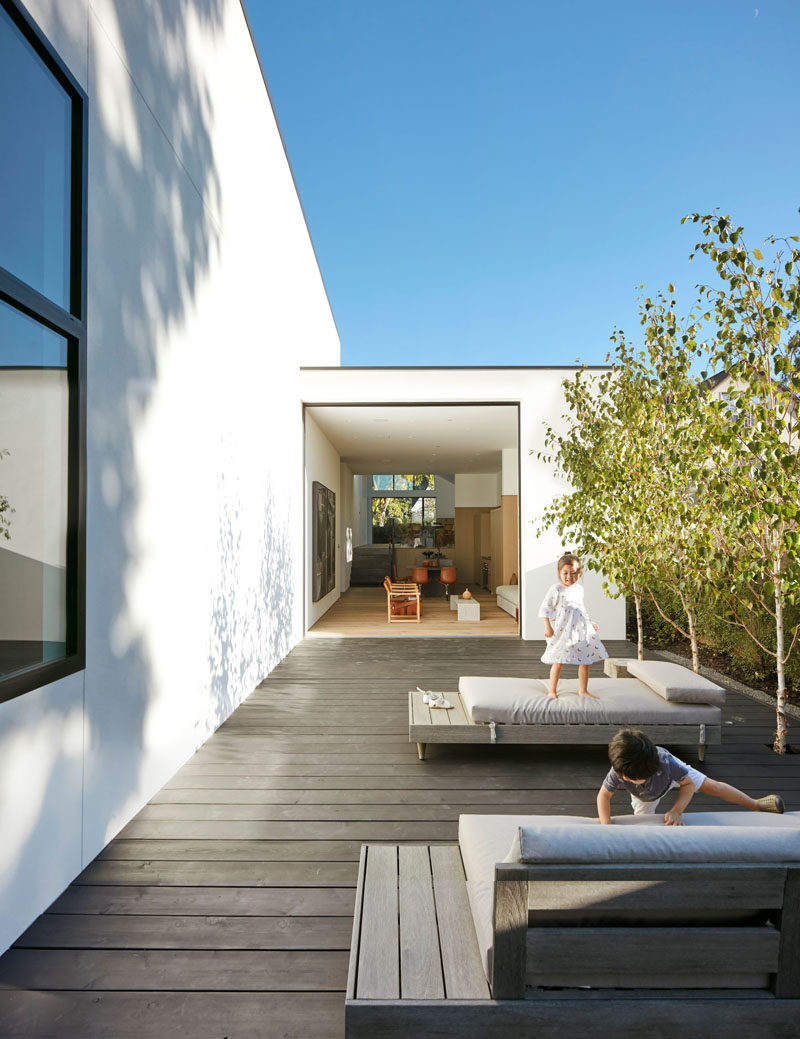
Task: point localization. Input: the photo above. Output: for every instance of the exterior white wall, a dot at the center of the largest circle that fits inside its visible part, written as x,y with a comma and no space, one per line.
204,297
540,396
477,490
322,463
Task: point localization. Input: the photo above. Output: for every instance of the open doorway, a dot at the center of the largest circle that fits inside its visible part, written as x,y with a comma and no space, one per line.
427,495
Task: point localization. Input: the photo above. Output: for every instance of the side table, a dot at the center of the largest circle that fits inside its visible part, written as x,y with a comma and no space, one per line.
469,610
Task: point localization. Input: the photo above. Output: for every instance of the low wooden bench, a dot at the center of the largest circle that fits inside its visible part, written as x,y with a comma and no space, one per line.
415,967
414,946
436,725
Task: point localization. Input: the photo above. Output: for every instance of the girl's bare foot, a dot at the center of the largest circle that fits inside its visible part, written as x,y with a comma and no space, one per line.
553,693
590,695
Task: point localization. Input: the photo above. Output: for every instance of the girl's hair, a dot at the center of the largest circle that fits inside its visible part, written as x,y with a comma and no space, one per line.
633,754
569,559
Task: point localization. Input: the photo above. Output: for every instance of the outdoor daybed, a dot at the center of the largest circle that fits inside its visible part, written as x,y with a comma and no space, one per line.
558,924
669,702
508,599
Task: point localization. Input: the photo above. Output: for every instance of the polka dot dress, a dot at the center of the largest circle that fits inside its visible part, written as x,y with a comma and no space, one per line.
574,639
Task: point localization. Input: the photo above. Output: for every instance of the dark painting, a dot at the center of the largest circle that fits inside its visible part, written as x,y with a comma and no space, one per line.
323,533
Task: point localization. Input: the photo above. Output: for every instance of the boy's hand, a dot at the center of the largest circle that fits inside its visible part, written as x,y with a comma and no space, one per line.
548,630
673,818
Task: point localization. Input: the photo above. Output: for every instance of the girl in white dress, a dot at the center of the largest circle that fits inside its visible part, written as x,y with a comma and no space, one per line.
571,635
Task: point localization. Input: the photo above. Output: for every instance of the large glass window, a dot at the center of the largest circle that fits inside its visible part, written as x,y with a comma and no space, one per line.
404,482
42,349
35,165
406,522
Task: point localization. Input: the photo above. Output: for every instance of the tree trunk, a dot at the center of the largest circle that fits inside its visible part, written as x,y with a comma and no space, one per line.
639,630
693,640
690,618
782,725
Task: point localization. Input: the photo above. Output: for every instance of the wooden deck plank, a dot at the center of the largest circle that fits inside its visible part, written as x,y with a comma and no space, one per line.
283,754
216,970
379,951
29,1014
209,873
102,931
163,899
420,959
463,970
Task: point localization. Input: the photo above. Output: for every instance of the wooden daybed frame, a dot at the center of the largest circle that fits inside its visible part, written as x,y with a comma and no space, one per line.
426,725
415,966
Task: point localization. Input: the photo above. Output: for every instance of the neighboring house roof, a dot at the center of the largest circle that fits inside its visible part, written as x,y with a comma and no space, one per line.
714,381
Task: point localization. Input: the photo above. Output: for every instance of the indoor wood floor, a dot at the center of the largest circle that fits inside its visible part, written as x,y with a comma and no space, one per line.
224,908
361,613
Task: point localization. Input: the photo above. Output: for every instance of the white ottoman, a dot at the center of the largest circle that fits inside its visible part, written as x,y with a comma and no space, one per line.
469,610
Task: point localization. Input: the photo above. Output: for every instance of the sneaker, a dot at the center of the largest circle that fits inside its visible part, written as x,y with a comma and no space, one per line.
771,803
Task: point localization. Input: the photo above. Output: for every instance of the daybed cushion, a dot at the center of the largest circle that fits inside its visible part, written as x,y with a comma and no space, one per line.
485,840
622,701
569,843
675,683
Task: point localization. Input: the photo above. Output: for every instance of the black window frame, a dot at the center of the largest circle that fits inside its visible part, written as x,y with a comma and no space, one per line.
72,325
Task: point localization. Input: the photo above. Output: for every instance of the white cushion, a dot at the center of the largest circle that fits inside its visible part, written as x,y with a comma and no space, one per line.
621,701
485,840
660,844
508,591
676,683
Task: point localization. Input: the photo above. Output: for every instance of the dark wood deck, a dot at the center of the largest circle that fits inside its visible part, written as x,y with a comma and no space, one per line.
224,908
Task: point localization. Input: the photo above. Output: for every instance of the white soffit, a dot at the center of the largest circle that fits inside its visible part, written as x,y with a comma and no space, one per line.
465,438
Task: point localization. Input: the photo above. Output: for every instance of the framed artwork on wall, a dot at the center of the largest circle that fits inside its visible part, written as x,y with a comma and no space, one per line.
323,535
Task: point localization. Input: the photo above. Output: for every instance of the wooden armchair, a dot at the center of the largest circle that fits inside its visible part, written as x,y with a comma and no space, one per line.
402,601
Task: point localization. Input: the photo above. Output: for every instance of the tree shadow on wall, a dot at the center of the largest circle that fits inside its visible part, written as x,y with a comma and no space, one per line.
155,212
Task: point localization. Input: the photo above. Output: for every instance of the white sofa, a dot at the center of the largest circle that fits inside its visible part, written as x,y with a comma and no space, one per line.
592,897
508,599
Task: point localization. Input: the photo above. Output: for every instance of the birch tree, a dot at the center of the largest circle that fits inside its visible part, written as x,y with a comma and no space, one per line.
753,469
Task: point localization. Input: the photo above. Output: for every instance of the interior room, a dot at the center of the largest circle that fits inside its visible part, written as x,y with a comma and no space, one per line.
428,499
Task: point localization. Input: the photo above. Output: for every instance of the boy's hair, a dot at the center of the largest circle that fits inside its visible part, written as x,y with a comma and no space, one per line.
569,559
633,754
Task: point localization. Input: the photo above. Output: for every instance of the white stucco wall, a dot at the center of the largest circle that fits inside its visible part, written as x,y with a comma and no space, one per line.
204,297
540,396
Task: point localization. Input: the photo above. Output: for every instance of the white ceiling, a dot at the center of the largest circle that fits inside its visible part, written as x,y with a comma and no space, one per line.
420,438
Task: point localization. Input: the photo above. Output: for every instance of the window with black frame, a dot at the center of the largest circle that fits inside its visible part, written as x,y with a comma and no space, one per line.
42,360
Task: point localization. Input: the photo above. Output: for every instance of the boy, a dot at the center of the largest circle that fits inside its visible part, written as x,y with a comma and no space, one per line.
647,772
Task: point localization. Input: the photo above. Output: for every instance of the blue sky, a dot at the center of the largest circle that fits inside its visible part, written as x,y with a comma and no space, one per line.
490,181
